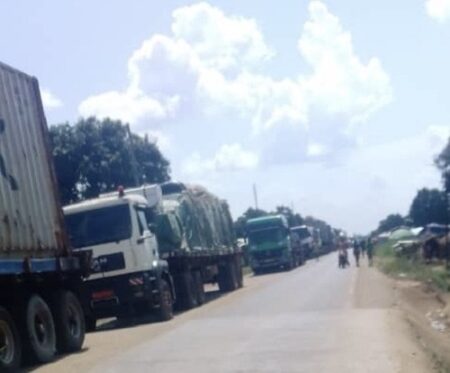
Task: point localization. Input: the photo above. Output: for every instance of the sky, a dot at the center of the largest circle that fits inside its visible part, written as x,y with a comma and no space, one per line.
334,108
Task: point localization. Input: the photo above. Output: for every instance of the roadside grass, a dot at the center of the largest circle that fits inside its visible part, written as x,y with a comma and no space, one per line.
412,268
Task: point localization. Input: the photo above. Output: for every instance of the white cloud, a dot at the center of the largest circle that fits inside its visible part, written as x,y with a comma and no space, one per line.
220,41
316,150
128,106
49,100
208,69
340,83
438,9
230,157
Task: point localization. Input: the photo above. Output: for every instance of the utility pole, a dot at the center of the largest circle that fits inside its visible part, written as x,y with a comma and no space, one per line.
255,196
134,168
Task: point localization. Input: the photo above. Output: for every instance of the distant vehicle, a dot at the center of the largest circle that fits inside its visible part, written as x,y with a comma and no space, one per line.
40,277
306,238
154,246
270,244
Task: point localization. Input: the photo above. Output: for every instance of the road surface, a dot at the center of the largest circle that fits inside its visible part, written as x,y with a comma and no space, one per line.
317,318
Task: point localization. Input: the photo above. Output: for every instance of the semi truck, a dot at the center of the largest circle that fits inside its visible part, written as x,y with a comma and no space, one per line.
196,236
270,244
303,236
41,308
153,248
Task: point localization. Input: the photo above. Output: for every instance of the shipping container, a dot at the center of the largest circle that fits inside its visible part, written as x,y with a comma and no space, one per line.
30,213
41,293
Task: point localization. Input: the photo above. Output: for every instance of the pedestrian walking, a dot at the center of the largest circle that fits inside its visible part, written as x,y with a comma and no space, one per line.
363,248
370,251
356,252
343,253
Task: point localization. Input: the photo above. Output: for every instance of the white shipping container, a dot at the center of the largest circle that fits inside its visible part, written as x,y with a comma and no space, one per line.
31,221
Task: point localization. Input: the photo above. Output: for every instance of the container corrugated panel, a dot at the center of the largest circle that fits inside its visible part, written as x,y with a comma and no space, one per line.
31,223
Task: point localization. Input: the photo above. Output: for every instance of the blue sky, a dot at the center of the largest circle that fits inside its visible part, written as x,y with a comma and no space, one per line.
334,107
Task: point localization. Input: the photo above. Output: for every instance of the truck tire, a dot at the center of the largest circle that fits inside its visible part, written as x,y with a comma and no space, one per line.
200,288
222,279
227,278
10,345
290,265
38,330
165,311
69,322
186,291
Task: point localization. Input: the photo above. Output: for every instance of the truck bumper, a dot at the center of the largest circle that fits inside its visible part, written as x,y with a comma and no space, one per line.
119,295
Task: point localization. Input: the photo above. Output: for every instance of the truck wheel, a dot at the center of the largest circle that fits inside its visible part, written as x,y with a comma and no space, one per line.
290,265
69,322
227,277
200,288
223,278
186,291
10,346
165,311
39,330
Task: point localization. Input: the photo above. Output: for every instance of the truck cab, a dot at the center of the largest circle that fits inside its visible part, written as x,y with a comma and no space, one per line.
127,274
269,243
303,237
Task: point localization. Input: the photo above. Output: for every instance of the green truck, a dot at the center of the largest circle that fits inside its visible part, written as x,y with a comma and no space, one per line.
270,244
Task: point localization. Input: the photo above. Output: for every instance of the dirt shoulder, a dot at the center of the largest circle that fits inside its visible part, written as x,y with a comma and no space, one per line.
425,309
428,311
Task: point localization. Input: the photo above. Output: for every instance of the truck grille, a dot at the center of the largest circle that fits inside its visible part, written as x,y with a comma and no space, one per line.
267,254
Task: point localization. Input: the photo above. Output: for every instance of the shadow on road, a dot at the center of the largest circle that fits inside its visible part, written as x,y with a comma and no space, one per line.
132,322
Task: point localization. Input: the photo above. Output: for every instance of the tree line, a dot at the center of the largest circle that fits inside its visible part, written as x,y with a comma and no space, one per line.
94,156
429,205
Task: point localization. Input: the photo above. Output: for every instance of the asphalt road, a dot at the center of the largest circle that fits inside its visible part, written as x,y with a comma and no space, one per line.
316,318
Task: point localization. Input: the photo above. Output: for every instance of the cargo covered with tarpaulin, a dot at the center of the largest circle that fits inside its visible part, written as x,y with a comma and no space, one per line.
194,220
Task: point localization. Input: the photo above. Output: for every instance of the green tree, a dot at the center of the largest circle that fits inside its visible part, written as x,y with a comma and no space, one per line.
428,206
250,213
93,156
443,163
293,219
392,221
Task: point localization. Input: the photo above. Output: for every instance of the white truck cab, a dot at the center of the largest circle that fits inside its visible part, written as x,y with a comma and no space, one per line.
127,273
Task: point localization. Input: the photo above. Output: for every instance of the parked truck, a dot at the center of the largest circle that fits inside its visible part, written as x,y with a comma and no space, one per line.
270,244
153,247
40,278
196,236
305,239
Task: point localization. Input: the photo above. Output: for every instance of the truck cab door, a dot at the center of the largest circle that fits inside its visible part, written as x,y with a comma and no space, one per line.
146,249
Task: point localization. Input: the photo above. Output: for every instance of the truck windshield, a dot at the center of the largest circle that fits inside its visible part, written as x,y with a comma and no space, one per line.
265,235
99,226
302,233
